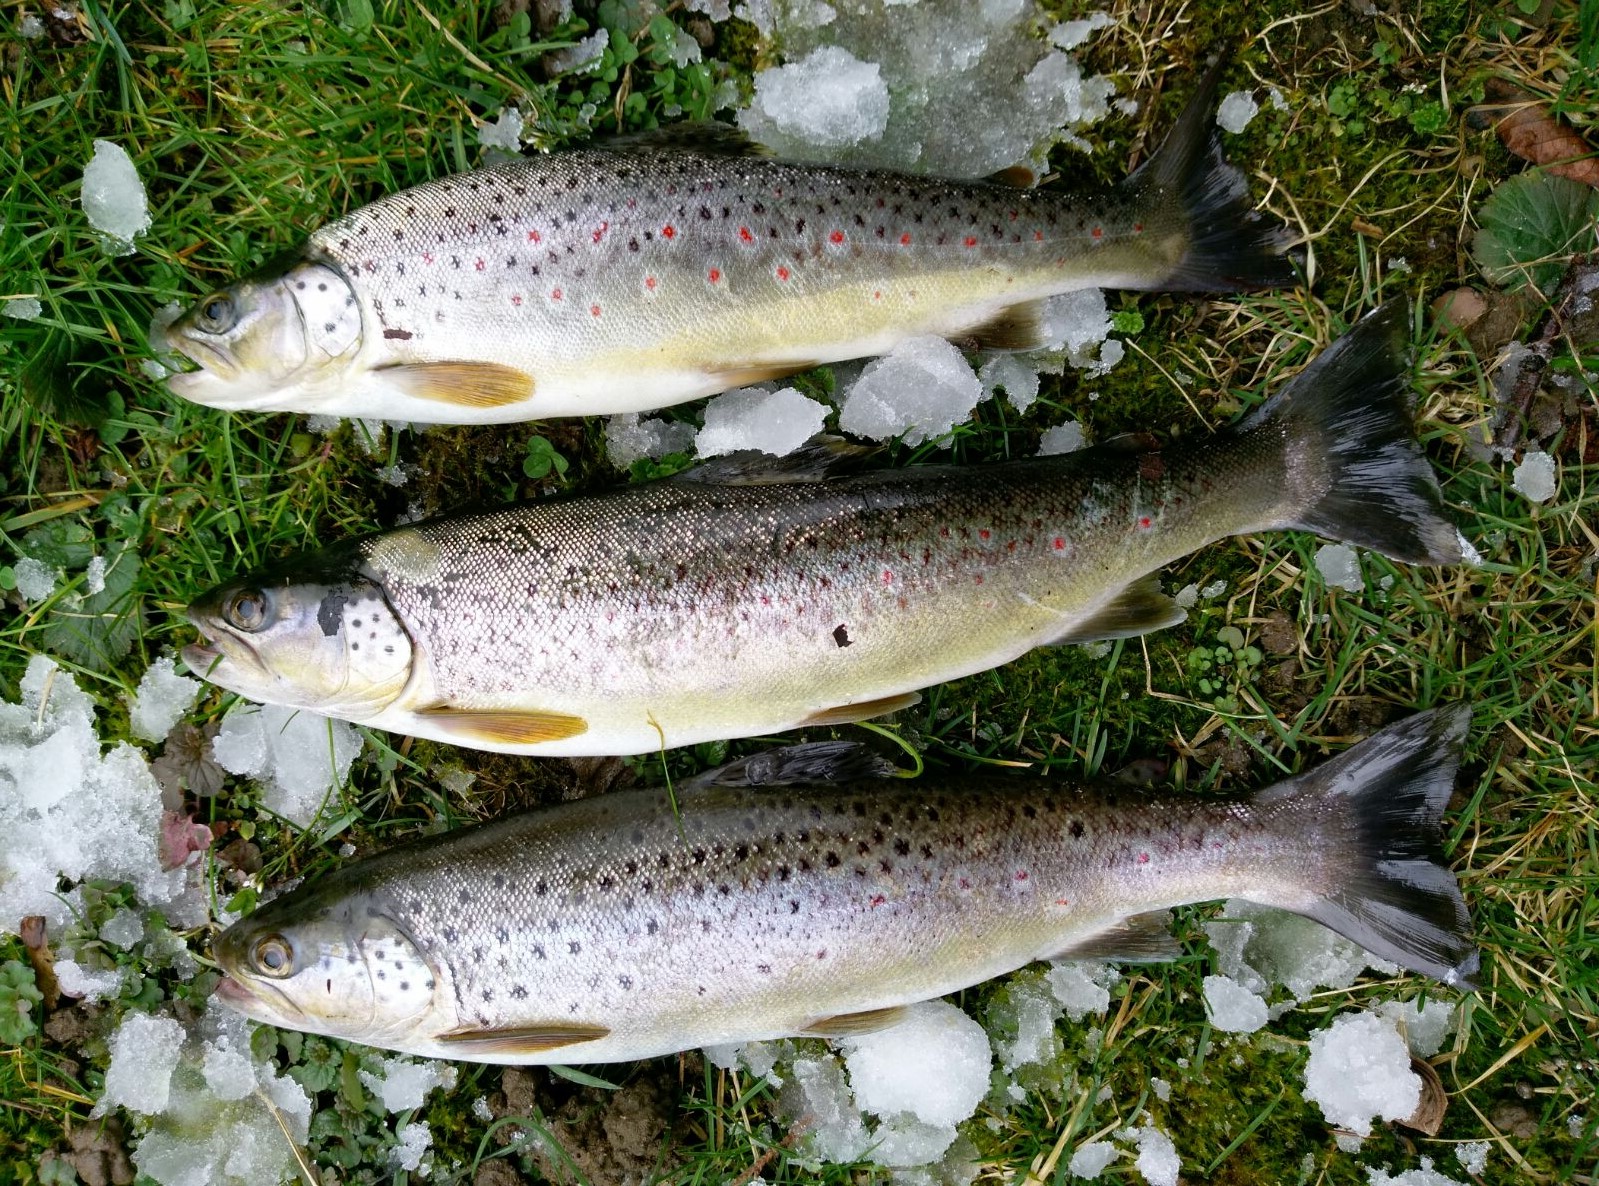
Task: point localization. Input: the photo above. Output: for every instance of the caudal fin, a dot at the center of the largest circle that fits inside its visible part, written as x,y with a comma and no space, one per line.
1371,819
1355,470
1231,246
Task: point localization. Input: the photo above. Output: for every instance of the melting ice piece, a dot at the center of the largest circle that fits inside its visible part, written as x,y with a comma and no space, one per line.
934,1065
1157,1155
584,56
1090,1160
827,99
1340,567
160,700
144,1053
1359,1070
627,438
1236,110
415,1140
1258,946
23,308
1425,1176
36,580
1473,1156
817,1090
504,133
1534,478
1015,375
113,197
1063,438
1232,1007
921,389
775,422
297,755
403,1083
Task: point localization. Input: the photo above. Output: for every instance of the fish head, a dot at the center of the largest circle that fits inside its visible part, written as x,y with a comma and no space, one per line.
328,962
258,338
313,633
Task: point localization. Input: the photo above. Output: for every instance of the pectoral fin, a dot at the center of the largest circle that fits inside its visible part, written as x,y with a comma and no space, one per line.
849,1025
861,710
1140,938
815,763
503,726
464,384
1137,609
519,1041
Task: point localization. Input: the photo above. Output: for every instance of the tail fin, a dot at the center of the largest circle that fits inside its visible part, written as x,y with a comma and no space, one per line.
1355,470
1230,245
1377,809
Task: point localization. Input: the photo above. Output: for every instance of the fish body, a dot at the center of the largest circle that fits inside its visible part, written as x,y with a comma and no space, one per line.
631,925
713,606
634,276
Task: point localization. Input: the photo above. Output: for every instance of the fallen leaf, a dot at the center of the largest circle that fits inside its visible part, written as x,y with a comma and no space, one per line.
1428,1117
33,939
1527,128
181,837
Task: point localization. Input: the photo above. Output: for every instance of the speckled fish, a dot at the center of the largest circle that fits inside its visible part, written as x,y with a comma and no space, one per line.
727,604
613,928
641,274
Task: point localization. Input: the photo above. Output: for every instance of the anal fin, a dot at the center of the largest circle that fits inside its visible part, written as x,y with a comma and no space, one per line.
1139,938
1015,327
742,374
849,1025
522,1040
507,726
861,710
1137,609
465,384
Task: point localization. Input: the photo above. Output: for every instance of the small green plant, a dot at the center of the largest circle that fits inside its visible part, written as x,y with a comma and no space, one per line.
1218,671
541,459
1531,226
19,995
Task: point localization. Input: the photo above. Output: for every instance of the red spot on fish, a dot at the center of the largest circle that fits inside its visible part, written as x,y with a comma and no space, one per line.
745,235
782,272
600,233
904,240
965,883
649,283
983,533
534,237
516,299
1038,236
878,900
1098,232
888,577
1021,875
878,295
427,257
668,231
1138,228
836,237
714,275
1145,521
480,265
594,310
1060,544
978,579
822,954
555,294
970,240
1143,858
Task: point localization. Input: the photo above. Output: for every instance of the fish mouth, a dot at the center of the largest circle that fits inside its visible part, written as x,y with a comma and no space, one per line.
205,658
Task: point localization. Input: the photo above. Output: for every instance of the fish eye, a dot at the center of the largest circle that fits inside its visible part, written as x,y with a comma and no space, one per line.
217,313
272,956
246,610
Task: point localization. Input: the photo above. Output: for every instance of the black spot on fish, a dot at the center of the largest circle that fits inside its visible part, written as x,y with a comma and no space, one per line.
397,335
841,636
538,951
574,947
832,860
793,905
1076,829
331,612
902,847
625,981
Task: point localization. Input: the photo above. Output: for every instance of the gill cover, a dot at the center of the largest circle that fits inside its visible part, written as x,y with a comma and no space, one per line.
268,332
321,636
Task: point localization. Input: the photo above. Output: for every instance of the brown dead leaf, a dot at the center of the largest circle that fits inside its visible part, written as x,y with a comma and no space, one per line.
1428,1117
181,837
1528,129
37,945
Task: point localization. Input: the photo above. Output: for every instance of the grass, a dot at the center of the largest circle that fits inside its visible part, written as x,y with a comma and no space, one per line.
252,124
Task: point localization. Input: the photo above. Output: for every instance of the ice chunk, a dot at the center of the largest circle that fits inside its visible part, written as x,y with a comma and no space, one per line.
584,56
414,1141
1078,324
1071,34
1082,988
1187,597
31,27
228,1070
1232,1007
1424,1025
934,1065
504,133
1157,1155
717,10
160,700
817,1090
1534,478
36,580
1340,567
921,389
1090,1160
1213,590
1031,1008
1015,375
1473,1156
124,928
1236,110
402,1083
775,422
298,756
144,1052
87,984
1258,946
23,308
113,197
94,576
828,99
1425,1176
1063,438
1358,1070
628,439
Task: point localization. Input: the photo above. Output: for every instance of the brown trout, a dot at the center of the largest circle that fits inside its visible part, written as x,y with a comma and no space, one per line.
610,928
724,604
648,272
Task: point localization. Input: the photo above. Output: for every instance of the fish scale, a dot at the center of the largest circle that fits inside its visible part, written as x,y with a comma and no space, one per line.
638,923
640,274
